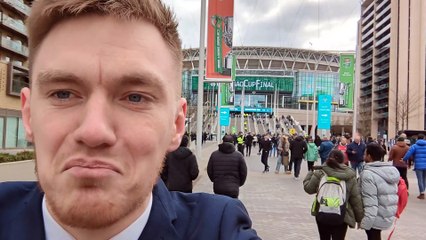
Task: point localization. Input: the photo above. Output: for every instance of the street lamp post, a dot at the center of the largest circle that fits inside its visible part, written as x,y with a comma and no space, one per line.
242,108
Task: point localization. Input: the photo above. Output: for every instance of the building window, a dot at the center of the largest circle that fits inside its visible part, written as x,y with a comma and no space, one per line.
1,131
11,132
17,79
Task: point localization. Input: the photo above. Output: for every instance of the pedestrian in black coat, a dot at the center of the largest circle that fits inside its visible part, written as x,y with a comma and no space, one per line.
298,148
227,169
180,168
265,146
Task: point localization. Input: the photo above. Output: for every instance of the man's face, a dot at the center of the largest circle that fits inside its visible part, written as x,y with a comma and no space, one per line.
104,110
357,139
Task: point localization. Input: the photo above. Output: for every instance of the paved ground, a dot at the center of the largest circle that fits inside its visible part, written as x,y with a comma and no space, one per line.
280,209
277,204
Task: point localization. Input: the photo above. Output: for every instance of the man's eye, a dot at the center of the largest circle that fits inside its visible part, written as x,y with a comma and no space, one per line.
62,94
136,98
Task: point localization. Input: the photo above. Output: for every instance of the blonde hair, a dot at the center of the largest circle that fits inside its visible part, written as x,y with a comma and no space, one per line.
45,14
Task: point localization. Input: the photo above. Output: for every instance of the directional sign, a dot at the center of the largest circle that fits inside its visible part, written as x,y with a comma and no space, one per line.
224,116
324,112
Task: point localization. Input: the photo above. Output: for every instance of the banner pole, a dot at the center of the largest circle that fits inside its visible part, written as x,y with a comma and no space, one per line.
201,79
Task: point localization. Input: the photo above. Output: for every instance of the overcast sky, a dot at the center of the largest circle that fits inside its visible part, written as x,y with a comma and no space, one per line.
280,23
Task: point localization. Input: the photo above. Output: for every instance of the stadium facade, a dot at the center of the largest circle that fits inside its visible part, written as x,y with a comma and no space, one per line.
276,81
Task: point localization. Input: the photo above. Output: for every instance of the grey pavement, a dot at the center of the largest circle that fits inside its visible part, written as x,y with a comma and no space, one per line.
277,204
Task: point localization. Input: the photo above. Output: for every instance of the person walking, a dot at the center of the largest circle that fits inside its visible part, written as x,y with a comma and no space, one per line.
274,151
379,191
298,148
180,168
335,168
418,151
240,143
284,149
248,142
265,145
355,151
227,169
342,146
325,149
311,155
396,154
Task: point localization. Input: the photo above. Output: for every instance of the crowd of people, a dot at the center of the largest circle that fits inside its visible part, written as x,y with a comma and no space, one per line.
371,179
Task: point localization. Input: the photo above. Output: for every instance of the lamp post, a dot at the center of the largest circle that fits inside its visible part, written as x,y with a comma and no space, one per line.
201,78
242,108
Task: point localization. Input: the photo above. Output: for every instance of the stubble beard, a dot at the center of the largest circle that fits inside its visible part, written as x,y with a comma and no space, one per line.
94,213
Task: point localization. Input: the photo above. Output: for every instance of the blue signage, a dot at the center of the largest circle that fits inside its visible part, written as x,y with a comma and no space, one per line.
224,116
248,109
324,112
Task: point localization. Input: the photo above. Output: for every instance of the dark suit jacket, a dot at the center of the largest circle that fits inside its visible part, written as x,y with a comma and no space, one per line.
174,215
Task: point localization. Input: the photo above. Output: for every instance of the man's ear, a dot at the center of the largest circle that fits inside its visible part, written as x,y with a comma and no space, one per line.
179,125
26,113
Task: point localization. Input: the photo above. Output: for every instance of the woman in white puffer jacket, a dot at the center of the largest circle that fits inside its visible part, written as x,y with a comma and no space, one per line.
379,187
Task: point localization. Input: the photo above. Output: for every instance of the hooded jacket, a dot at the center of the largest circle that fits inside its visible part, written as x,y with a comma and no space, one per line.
298,147
325,149
379,190
397,152
418,151
354,209
180,169
227,170
311,154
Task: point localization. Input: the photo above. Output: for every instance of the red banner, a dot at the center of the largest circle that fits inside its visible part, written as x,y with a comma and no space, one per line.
219,39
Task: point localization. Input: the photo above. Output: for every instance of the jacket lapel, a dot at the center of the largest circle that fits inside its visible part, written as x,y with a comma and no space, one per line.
161,220
28,222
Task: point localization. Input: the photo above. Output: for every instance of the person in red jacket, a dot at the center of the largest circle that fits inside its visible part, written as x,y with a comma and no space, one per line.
396,154
342,146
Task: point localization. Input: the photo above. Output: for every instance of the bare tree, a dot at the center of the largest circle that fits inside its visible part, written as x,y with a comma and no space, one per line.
405,105
364,116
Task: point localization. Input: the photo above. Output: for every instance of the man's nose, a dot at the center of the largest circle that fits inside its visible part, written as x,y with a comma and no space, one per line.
95,127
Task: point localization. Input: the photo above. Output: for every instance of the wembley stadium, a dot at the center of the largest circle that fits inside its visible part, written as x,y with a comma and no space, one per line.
272,82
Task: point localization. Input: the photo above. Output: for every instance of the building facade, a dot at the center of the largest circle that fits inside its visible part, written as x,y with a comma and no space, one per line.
13,71
276,81
391,66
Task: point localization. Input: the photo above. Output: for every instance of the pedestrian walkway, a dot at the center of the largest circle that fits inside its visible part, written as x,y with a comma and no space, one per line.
280,208
277,204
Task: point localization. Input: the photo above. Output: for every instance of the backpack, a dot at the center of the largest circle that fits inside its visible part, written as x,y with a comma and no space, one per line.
329,206
402,197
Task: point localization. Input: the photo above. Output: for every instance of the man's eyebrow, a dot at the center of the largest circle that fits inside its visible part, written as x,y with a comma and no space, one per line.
55,76
143,79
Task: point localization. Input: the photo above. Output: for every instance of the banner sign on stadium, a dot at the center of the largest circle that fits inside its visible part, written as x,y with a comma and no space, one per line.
346,85
324,112
253,83
219,60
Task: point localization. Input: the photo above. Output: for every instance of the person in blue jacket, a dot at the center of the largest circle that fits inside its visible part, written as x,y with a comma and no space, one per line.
355,151
325,149
104,109
418,151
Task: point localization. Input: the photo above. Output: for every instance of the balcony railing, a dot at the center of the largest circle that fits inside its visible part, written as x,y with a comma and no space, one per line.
381,115
383,21
365,93
18,5
14,24
381,87
381,97
14,46
364,85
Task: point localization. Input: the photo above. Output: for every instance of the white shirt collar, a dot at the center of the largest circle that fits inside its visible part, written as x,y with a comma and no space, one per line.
133,231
